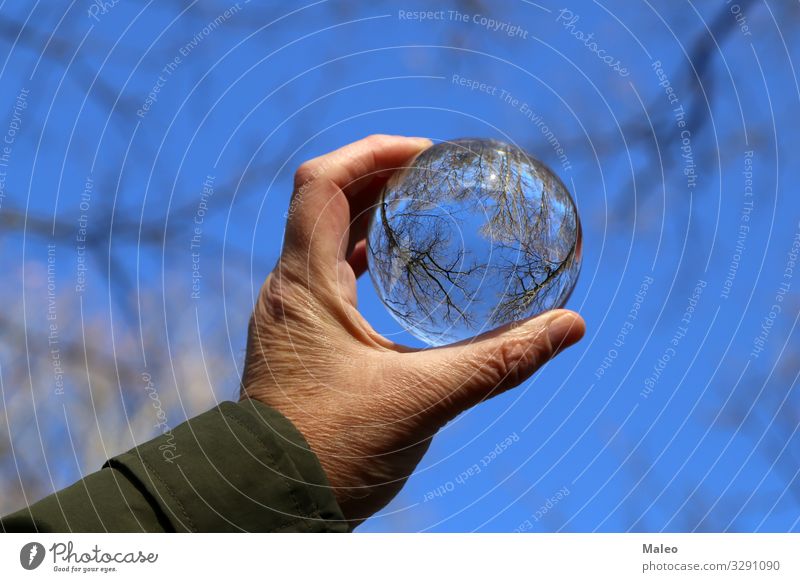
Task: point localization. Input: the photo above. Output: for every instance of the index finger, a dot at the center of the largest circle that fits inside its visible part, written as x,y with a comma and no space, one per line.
328,186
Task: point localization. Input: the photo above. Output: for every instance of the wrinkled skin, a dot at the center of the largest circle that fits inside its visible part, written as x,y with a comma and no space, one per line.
367,406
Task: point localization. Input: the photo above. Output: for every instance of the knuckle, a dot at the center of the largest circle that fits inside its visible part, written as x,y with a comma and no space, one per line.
513,362
305,173
507,360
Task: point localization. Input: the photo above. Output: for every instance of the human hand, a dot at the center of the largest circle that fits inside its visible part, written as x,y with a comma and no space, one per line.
367,406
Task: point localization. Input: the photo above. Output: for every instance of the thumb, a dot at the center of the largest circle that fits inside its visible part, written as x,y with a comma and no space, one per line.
471,371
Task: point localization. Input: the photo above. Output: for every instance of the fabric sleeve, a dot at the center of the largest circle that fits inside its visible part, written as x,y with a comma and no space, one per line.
238,467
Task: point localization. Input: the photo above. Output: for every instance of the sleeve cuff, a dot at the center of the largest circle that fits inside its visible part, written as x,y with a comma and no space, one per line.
237,467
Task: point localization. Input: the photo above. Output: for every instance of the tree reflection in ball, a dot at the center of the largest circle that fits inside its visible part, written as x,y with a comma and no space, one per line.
474,234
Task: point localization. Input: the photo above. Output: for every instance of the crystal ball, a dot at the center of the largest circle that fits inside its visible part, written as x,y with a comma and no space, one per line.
471,235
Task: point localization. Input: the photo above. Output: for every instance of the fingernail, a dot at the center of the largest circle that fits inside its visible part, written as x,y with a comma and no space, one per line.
564,331
422,142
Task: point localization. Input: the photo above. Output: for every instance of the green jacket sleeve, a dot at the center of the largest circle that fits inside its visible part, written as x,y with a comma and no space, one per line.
237,467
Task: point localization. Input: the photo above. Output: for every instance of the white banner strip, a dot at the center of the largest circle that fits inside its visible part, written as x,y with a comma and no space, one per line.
415,557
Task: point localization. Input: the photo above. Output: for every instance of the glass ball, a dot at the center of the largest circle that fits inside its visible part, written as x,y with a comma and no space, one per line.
473,234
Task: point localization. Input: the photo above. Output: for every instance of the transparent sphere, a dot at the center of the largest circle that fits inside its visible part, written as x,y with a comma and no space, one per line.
475,233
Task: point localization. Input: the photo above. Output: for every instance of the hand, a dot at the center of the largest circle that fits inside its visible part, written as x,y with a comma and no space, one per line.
367,406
